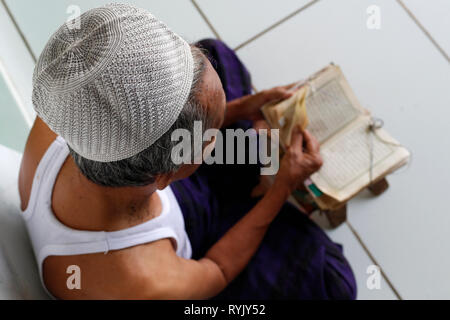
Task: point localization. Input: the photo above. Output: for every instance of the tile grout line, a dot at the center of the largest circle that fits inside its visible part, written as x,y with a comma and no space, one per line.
372,258
425,31
22,36
276,24
205,18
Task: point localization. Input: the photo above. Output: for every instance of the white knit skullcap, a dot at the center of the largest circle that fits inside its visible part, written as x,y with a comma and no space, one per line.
114,86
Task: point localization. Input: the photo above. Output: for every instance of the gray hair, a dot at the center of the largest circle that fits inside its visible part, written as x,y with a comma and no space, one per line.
141,169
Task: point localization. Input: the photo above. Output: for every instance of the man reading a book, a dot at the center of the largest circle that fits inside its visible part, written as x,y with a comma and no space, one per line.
100,194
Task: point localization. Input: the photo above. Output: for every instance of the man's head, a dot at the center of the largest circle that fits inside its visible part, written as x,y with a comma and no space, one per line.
117,88
206,103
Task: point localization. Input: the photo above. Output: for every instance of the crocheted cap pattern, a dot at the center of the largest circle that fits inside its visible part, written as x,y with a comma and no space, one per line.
115,85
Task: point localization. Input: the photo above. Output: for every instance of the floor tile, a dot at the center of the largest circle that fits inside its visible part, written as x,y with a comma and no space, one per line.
13,128
237,21
9,171
17,64
360,261
434,15
8,286
398,74
180,15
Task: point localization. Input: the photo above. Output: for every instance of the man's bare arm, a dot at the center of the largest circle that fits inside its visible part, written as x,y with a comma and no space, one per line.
191,279
205,278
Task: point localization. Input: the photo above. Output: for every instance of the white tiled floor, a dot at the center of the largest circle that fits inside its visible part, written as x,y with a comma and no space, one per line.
11,120
17,65
39,21
237,21
435,17
360,261
402,78
396,71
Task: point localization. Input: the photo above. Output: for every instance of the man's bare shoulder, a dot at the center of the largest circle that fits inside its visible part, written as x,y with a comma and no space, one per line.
132,273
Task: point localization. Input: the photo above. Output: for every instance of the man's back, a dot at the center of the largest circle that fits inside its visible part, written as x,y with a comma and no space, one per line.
114,275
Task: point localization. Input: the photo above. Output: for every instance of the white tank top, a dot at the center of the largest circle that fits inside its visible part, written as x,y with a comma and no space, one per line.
50,237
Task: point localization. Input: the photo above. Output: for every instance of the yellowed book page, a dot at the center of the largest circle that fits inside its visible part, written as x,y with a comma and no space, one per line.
346,168
286,114
295,115
330,104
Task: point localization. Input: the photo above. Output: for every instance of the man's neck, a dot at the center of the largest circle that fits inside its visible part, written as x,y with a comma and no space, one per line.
127,204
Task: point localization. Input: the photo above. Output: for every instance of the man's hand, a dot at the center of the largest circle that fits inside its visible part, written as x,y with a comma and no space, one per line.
254,103
302,159
249,107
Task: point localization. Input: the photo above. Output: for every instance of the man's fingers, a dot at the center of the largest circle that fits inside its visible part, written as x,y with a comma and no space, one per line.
290,86
279,93
297,139
312,145
293,86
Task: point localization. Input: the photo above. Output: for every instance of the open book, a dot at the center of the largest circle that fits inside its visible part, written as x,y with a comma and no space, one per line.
354,153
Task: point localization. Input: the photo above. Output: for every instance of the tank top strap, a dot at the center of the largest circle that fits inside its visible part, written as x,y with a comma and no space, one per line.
46,173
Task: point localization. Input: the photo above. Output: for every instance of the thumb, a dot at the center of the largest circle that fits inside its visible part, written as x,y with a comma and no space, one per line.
278,94
312,145
296,138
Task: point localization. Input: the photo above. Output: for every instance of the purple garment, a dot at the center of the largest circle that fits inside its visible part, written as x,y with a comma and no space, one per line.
296,259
